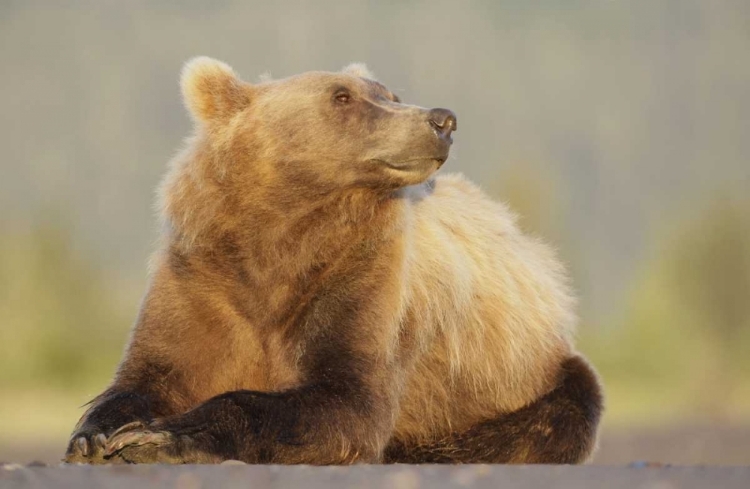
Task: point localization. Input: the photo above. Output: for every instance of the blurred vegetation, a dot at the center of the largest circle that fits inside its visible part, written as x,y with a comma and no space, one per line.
680,348
60,309
63,329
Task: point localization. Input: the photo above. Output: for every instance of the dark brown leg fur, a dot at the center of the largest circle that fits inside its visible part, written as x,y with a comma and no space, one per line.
254,427
559,428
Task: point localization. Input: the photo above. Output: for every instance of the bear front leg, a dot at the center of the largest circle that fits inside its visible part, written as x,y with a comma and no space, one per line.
344,414
313,424
108,412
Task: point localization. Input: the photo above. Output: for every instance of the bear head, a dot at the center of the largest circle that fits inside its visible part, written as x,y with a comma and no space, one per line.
315,132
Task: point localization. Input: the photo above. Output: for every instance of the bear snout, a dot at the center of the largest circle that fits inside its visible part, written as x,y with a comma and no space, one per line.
443,122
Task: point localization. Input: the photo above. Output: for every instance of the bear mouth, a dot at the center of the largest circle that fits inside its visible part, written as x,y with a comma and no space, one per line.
413,163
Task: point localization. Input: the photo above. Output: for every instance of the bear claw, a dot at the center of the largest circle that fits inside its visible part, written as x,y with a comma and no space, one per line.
83,446
134,438
86,448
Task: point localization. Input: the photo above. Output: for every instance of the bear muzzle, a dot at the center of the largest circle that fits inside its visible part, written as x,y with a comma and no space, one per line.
443,122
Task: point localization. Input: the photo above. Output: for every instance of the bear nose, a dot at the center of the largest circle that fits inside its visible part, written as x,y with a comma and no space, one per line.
443,121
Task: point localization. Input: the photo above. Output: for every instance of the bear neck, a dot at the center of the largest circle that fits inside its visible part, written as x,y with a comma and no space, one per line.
273,228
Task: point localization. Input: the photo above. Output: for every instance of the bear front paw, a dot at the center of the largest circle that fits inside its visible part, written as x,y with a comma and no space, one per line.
140,443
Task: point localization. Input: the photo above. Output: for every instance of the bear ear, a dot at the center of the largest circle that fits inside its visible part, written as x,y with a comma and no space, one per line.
358,69
211,90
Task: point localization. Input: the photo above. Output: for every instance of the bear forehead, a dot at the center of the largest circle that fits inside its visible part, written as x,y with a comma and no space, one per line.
326,81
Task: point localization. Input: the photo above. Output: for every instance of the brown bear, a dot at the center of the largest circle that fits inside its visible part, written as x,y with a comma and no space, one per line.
320,296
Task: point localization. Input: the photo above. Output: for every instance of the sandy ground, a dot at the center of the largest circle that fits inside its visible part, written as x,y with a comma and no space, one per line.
678,445
392,477
681,445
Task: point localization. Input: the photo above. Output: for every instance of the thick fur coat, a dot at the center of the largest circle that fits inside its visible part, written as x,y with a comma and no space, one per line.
320,296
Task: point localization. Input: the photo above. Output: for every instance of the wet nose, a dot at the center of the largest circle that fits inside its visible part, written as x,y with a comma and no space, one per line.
443,121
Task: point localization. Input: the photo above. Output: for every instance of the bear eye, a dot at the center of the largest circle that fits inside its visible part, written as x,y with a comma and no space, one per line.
342,96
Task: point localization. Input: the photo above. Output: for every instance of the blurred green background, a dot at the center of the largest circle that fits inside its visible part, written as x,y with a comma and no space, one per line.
620,130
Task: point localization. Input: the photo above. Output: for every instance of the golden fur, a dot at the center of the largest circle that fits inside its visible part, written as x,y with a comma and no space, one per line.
287,226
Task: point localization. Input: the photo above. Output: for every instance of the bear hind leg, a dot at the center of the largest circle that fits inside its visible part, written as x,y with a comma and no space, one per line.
559,428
